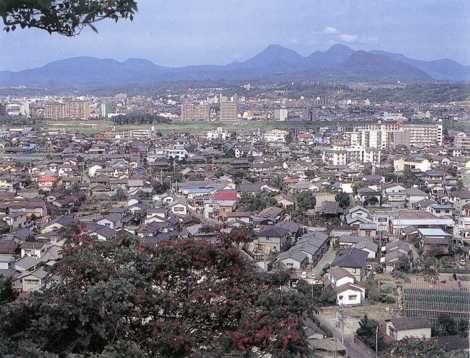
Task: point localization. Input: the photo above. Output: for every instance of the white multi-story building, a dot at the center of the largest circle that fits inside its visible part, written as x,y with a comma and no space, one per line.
425,135
276,135
339,155
390,135
218,133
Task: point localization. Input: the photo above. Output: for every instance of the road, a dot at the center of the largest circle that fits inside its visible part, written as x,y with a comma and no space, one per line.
325,261
354,348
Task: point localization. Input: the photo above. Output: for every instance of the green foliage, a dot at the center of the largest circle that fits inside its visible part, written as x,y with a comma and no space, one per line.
305,201
317,295
66,17
449,326
277,182
416,348
184,298
7,291
343,200
258,202
138,118
119,195
367,333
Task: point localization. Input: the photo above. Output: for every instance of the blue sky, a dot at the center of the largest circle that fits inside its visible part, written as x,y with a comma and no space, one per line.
182,32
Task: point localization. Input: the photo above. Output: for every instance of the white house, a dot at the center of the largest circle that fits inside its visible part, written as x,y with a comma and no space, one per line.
350,294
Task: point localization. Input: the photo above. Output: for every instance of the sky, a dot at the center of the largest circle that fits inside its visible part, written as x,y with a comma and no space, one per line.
193,32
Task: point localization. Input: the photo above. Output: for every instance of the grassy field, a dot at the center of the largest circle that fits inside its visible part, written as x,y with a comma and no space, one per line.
91,127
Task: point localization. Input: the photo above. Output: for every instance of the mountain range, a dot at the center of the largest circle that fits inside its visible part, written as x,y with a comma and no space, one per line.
275,63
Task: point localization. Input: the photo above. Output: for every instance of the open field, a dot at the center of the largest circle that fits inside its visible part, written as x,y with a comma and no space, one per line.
95,126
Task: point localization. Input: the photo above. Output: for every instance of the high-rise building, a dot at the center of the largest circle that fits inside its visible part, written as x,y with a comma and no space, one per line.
106,109
425,135
381,136
67,110
3,110
228,109
195,111
462,141
281,114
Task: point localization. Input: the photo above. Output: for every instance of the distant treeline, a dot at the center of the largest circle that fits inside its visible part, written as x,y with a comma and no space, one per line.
139,118
17,121
419,93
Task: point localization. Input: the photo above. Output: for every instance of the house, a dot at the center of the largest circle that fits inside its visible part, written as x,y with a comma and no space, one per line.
419,219
30,281
420,164
413,196
272,239
329,209
369,197
434,241
338,277
32,248
403,327
352,260
368,246
350,294
398,253
284,201
308,250
394,195
179,208
243,218
328,347
58,224
8,247
113,221
271,214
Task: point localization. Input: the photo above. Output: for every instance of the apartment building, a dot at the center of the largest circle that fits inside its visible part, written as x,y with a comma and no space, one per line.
392,135
192,112
67,110
341,155
462,141
228,109
425,135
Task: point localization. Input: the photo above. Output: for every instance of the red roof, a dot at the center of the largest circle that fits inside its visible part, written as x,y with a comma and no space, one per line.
226,196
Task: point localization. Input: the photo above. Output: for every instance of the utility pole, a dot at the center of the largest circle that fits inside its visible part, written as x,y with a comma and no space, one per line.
377,341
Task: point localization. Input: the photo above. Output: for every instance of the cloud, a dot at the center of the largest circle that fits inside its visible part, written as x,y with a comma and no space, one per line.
329,30
349,38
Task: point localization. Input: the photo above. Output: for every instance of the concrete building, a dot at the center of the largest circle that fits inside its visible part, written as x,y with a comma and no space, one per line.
191,112
228,109
425,135
106,109
339,155
276,135
462,141
67,110
421,164
392,135
281,114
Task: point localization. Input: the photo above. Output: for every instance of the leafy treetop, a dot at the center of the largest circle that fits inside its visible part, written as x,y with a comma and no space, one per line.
66,17
182,299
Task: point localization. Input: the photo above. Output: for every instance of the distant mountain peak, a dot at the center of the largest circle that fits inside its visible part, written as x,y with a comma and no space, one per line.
275,62
340,48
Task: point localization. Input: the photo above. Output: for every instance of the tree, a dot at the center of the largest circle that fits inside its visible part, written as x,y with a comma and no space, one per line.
417,348
183,299
305,201
66,17
367,333
343,200
277,182
7,292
